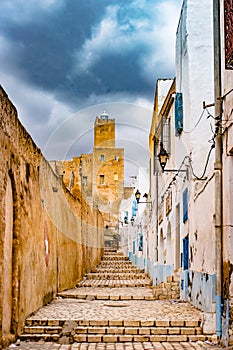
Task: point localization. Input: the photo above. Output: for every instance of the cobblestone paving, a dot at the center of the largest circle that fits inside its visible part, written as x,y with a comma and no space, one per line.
73,309
82,292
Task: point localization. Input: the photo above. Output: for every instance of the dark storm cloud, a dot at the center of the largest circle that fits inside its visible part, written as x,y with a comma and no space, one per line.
60,56
46,41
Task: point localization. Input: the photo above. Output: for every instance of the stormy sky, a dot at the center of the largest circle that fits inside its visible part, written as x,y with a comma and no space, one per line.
62,62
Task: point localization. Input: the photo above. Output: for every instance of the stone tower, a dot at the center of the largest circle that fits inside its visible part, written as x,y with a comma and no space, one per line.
107,170
104,131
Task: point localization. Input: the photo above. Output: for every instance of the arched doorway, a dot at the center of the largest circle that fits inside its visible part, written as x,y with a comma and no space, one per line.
161,247
169,245
177,239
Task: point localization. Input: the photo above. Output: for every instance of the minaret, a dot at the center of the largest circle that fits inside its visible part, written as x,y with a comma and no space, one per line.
104,132
108,170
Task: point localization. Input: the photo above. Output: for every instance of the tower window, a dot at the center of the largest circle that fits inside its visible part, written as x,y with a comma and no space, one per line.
102,180
84,181
116,158
102,157
115,177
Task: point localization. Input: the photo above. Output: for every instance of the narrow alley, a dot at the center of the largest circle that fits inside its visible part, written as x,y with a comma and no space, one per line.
115,307
116,175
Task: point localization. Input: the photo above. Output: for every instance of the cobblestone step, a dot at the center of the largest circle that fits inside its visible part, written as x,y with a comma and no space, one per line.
114,258
115,283
122,269
116,266
117,275
107,297
59,323
111,251
115,330
109,338
99,293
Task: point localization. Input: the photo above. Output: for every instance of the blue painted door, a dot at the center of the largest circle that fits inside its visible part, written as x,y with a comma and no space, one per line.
186,253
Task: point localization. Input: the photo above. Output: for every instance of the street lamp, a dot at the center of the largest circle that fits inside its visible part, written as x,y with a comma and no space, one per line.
138,195
163,157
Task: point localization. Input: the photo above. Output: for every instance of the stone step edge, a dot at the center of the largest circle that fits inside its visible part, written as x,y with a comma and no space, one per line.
117,257
107,297
107,281
109,272
93,283
116,323
116,262
116,270
117,330
116,275
118,338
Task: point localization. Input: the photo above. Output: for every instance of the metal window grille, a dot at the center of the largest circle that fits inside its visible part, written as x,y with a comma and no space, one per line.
166,134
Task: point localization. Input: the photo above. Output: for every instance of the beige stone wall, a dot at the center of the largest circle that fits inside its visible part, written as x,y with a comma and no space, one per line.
75,173
49,238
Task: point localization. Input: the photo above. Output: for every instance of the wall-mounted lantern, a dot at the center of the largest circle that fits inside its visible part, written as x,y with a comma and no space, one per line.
163,158
138,196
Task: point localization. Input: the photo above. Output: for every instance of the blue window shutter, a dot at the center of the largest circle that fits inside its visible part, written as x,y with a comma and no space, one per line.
126,219
178,113
186,253
185,205
140,248
134,208
134,247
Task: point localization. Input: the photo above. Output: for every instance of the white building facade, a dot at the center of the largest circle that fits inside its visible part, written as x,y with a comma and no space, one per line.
132,227
224,109
183,189
187,226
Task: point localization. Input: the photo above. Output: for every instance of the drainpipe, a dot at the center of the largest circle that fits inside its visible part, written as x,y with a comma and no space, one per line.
218,166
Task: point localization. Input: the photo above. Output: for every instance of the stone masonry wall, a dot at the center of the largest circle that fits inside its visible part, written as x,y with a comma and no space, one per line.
49,238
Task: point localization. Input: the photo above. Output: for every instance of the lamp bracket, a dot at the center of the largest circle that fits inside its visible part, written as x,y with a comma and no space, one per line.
175,170
146,203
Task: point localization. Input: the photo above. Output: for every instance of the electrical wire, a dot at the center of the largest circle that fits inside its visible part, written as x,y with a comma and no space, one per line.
191,166
209,114
224,96
200,118
217,119
207,161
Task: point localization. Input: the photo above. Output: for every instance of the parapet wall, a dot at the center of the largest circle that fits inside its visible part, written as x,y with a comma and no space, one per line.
49,238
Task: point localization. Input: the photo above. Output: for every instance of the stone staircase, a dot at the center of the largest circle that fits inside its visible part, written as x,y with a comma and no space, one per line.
114,304
115,270
168,290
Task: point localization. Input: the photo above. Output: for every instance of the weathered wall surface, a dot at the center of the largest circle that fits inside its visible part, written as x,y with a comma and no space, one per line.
49,238
227,83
